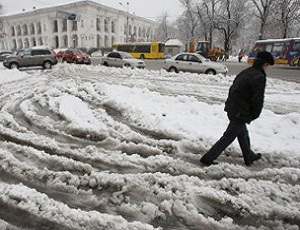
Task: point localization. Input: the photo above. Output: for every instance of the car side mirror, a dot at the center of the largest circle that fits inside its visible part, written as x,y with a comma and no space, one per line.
22,55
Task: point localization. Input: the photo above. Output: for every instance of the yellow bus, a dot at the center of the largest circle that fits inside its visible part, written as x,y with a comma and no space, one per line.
142,50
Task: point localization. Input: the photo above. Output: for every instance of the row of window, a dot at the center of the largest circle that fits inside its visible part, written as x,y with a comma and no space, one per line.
19,30
62,42
33,28
64,26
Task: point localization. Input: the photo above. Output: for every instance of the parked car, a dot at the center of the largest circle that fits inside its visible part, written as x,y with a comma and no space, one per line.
120,59
35,56
195,63
75,56
4,54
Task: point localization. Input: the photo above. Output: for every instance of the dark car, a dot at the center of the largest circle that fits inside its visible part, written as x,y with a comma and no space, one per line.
75,56
4,54
35,56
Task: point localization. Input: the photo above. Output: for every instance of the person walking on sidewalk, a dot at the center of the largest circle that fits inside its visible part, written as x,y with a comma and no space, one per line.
243,105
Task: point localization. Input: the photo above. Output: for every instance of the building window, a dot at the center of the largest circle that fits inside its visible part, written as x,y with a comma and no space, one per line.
105,41
26,43
64,25
40,41
25,29
75,41
33,41
125,29
32,29
56,40
13,33
113,27
65,40
39,28
130,29
74,25
20,44
113,40
18,30
105,25
55,26
98,40
98,24
14,44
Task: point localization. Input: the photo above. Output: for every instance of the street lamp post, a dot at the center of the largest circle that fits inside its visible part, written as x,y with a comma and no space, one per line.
127,19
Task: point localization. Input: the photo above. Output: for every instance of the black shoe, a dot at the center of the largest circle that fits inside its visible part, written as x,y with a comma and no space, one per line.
256,157
206,163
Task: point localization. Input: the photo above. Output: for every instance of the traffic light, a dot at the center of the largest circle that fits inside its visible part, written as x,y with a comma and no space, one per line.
72,17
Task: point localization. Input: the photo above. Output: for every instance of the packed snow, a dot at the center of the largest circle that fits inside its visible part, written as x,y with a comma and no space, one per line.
91,147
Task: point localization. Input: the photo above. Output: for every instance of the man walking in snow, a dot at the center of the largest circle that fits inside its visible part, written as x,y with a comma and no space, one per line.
243,105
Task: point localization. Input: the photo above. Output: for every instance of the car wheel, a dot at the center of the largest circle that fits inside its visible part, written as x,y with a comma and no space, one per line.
14,65
47,65
210,71
105,64
142,56
173,70
127,65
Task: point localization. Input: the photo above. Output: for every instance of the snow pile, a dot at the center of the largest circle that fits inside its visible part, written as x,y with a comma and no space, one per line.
89,147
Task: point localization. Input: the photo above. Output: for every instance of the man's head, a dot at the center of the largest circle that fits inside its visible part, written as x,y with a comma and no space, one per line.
263,60
265,57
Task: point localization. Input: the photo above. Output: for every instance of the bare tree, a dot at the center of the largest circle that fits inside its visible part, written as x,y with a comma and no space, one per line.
229,20
191,16
263,11
206,13
289,11
163,29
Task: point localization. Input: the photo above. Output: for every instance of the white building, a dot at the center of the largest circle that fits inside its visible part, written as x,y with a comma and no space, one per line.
95,26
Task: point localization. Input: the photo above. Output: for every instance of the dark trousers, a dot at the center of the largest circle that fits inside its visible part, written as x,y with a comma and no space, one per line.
236,128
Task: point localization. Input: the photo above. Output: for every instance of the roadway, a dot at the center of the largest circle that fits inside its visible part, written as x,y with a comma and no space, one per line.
286,73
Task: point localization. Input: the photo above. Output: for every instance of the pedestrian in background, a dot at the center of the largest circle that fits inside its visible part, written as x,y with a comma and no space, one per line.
243,105
241,55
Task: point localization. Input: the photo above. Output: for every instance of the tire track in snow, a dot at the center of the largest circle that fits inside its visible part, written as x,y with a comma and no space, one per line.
154,174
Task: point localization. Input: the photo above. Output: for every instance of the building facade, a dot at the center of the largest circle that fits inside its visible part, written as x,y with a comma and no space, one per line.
85,24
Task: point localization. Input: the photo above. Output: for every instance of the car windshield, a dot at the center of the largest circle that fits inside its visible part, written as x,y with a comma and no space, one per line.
18,52
126,55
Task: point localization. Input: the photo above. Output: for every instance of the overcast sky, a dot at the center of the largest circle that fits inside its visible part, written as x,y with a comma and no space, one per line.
152,9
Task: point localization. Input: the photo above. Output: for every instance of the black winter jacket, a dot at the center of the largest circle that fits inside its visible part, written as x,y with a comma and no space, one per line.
246,95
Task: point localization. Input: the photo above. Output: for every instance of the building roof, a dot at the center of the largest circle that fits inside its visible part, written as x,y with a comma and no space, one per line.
174,42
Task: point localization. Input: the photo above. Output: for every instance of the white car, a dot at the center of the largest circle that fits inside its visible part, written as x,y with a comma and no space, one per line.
195,63
122,59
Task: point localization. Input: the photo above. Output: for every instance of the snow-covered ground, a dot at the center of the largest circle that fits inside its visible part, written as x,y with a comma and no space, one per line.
90,147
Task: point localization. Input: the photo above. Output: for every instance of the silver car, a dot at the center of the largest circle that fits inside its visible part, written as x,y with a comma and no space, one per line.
122,59
35,56
195,63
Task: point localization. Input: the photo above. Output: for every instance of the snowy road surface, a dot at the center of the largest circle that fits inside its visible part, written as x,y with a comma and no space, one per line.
89,147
